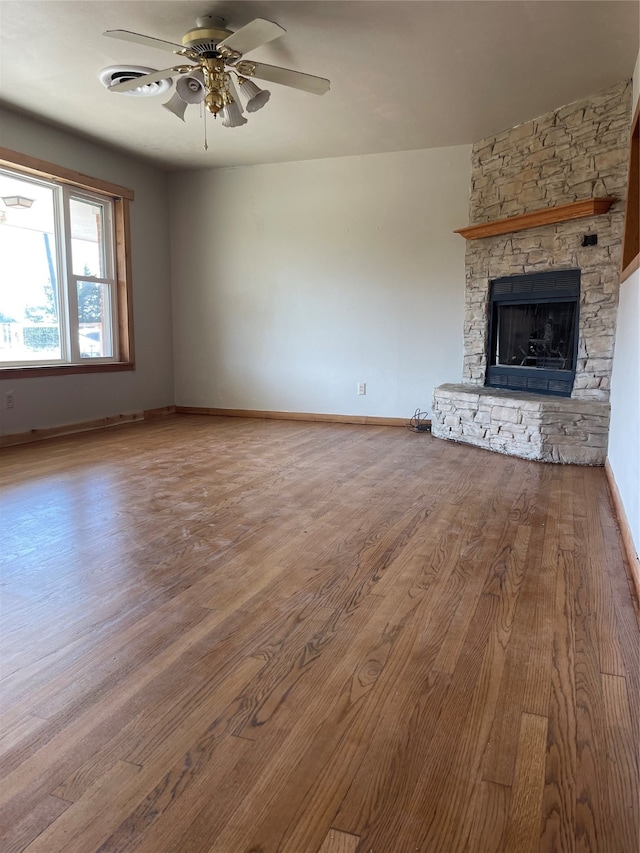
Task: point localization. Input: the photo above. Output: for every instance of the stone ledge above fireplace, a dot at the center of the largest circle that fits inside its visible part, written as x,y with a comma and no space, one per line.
547,429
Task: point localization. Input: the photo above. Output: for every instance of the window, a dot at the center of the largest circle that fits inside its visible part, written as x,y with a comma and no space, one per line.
65,300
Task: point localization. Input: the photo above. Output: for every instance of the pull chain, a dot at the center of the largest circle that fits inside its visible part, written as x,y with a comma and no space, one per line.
206,144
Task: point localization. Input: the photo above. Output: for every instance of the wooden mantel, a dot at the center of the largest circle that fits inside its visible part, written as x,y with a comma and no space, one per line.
548,216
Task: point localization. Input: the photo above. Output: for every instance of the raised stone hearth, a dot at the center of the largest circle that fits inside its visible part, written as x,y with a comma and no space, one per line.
577,152
549,429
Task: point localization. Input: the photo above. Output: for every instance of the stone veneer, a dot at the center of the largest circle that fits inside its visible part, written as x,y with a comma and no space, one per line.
549,429
573,153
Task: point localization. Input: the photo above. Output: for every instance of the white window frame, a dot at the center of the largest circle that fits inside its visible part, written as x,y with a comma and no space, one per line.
114,199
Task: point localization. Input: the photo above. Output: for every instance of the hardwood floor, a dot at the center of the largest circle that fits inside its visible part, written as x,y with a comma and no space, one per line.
239,636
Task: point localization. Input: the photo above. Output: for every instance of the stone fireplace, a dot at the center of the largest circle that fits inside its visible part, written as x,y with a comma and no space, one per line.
540,189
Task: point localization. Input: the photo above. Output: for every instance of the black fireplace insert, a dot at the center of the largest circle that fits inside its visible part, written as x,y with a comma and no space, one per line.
533,332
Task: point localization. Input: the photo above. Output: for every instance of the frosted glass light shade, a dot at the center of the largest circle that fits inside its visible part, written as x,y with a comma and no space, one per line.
176,105
191,88
256,97
231,115
231,89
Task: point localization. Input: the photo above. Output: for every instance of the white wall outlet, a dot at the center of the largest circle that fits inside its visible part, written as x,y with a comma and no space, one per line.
8,400
362,388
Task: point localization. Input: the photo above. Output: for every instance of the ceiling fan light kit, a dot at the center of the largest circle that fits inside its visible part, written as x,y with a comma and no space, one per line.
215,54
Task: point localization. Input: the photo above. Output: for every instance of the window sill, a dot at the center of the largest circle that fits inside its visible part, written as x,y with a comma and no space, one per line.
24,372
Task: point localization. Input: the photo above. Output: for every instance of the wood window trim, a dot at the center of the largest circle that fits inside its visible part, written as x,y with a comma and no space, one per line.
121,196
42,169
631,240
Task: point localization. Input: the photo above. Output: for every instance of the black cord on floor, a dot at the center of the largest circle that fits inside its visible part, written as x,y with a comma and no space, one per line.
419,422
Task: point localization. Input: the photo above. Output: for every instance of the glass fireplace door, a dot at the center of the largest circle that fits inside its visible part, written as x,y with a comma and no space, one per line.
532,343
540,335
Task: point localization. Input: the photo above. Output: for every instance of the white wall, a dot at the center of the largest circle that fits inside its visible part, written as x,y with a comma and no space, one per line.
624,435
41,402
294,282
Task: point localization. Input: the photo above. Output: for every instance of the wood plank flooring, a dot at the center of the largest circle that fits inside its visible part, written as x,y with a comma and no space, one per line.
227,635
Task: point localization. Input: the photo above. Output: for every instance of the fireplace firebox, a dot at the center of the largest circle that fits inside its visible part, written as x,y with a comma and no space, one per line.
533,332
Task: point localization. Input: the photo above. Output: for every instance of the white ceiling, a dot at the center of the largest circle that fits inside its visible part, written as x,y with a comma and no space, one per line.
404,75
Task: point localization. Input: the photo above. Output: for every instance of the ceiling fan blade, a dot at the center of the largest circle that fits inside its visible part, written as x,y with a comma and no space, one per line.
136,82
295,79
255,34
137,38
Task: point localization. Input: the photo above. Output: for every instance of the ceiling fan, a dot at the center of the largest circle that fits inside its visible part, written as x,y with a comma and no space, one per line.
215,64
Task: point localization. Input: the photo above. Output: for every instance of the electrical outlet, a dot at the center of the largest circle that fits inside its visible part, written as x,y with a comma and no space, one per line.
8,400
362,388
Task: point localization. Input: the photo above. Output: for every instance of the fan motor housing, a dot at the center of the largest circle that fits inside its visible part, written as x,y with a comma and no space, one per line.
205,38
